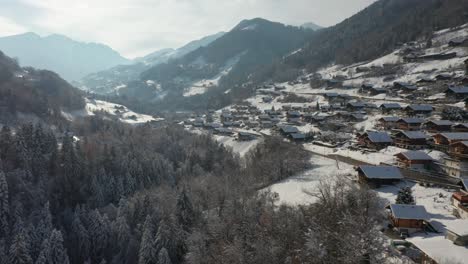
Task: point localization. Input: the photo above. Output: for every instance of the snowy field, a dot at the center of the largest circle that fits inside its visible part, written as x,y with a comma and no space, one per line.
299,190
125,115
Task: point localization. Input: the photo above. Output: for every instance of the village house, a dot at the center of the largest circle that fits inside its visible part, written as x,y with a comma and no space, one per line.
297,137
251,123
333,83
404,87
375,140
355,106
444,77
460,202
407,218
410,140
330,96
457,92
460,127
390,108
417,160
375,176
388,122
356,117
413,110
293,114
409,124
459,42
446,139
223,131
377,90
459,149
246,136
266,124
455,167
436,126
226,117
287,130
457,232
365,88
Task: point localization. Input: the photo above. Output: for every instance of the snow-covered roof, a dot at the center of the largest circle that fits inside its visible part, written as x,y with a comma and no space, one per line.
421,107
413,134
440,249
455,136
440,122
411,120
357,104
409,211
459,227
380,172
298,136
415,155
379,137
459,89
391,106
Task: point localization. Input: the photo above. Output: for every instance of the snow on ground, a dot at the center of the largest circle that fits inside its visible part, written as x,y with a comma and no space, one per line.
125,114
297,190
240,147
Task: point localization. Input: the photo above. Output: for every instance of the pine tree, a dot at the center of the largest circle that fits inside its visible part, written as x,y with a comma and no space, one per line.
53,251
405,196
19,252
163,257
4,205
79,239
185,213
148,252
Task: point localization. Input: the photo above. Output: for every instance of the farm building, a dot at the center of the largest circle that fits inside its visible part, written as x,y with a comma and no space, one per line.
388,122
375,176
414,160
410,139
436,126
408,218
421,109
409,124
375,140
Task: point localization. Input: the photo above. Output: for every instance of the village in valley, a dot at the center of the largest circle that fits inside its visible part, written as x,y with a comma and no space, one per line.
398,125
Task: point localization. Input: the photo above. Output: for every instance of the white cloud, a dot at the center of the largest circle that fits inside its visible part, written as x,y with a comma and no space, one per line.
8,27
135,27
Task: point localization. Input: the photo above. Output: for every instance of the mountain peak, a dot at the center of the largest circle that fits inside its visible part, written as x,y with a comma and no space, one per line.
311,25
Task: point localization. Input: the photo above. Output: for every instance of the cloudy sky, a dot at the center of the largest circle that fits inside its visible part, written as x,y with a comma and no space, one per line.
137,27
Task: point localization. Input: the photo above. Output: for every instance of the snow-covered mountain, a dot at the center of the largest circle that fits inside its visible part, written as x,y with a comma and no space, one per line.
112,80
69,58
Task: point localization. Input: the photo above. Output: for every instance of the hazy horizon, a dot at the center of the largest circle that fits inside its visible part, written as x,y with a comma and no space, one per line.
138,27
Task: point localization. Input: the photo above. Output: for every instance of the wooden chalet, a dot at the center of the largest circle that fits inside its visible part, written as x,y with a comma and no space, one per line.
446,139
410,139
422,109
365,88
404,87
460,203
444,77
375,176
409,124
457,92
297,137
287,130
460,127
414,160
355,106
388,122
375,140
293,114
436,126
459,149
246,136
390,108
331,96
407,218
377,90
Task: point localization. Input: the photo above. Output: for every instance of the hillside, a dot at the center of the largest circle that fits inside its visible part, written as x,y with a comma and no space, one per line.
34,93
379,29
111,81
226,62
71,59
